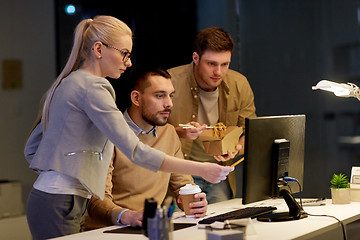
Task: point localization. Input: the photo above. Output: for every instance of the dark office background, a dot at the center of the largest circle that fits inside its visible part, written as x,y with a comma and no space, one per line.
162,30
283,47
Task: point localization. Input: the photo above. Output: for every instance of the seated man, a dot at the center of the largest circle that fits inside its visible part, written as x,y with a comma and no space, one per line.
128,185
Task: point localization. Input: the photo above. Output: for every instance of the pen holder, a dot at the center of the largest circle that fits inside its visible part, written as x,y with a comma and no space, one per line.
160,228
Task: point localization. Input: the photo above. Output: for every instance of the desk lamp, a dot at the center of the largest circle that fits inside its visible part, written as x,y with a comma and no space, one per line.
339,89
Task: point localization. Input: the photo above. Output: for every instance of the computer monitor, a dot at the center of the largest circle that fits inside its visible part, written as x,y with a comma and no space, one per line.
264,162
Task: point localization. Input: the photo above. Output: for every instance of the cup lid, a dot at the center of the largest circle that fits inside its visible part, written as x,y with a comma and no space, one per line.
189,189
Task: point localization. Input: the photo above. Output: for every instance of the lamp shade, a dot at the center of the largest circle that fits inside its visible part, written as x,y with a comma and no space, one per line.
339,89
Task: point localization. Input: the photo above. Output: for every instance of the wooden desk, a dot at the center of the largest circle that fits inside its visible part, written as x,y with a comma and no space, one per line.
311,227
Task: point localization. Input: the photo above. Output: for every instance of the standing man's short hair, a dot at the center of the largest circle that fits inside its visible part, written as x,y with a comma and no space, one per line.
213,38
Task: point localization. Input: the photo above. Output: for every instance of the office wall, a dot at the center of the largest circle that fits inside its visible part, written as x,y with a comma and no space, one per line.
27,35
162,33
284,48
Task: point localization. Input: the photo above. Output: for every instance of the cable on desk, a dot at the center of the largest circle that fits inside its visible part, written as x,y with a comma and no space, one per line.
286,179
341,223
290,179
283,181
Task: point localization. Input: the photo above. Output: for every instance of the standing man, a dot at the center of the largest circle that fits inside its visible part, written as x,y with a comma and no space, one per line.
128,185
208,92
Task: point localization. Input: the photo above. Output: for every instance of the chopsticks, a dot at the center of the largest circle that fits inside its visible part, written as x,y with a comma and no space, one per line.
191,126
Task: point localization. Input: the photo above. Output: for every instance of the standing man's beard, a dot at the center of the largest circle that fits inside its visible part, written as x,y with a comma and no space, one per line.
153,120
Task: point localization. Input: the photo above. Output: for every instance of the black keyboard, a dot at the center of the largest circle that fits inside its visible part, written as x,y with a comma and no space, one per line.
247,212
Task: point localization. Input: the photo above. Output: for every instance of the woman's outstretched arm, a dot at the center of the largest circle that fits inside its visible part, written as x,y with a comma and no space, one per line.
211,172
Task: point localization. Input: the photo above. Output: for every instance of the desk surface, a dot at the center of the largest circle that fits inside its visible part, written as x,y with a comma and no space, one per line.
308,228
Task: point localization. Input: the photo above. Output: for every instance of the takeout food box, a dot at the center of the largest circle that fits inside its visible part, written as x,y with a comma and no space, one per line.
215,146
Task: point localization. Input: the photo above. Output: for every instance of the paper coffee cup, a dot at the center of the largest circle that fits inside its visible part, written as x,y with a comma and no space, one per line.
187,193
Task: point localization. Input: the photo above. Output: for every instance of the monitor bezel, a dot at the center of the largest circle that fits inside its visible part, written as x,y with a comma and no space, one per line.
260,132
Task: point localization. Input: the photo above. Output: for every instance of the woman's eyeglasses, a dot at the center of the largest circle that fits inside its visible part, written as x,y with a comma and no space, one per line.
126,54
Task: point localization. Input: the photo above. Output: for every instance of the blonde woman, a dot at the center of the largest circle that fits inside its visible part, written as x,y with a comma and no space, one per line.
72,143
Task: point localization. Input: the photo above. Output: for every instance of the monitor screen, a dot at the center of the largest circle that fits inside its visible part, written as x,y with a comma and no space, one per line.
261,156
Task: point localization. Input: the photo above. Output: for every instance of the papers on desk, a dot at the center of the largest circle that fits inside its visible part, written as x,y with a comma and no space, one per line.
355,175
246,222
233,224
180,217
313,202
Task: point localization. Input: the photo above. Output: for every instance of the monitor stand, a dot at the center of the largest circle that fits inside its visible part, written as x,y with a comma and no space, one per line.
295,211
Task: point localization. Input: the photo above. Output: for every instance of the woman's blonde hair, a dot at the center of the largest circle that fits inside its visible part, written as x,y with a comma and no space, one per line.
102,28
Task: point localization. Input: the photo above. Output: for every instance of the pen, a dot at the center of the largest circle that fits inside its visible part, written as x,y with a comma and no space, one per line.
173,207
236,163
168,204
171,210
168,201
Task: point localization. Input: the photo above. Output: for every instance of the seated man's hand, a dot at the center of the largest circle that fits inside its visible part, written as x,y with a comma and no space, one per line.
132,218
198,208
191,133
